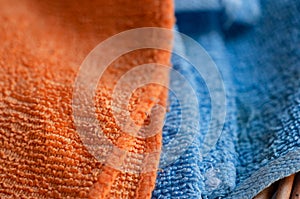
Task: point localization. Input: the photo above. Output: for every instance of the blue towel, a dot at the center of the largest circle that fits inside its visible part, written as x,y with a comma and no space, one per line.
256,48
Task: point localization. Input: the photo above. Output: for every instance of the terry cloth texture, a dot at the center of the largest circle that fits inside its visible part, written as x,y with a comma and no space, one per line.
42,46
255,45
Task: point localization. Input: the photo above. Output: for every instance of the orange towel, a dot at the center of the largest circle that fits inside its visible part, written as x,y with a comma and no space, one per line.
42,46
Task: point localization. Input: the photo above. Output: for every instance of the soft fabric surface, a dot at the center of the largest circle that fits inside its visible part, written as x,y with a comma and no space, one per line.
256,48
42,46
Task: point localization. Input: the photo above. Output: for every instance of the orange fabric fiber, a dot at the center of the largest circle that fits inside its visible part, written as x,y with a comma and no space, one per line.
42,46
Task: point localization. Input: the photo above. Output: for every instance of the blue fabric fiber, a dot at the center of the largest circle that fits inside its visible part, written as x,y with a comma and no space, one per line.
256,47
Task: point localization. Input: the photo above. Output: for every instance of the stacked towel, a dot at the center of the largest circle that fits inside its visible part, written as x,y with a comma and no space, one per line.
42,46
255,46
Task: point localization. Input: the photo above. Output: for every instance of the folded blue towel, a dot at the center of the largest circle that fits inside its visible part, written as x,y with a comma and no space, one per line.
255,46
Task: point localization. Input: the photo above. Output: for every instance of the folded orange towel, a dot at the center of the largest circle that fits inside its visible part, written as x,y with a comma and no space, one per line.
42,46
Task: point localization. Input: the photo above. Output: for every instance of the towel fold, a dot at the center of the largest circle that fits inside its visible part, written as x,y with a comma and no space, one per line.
255,47
43,44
